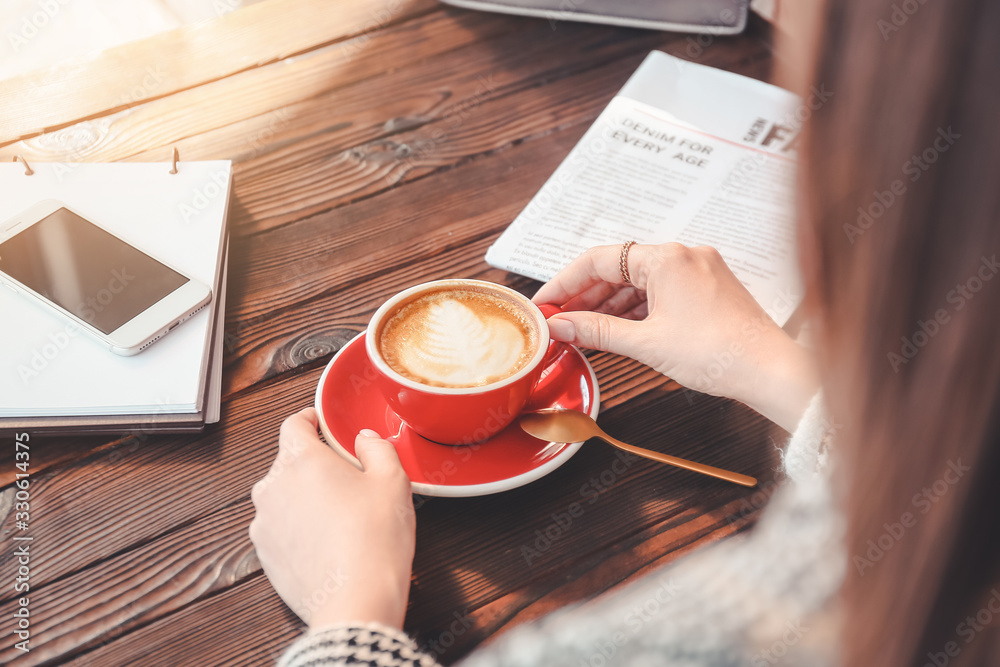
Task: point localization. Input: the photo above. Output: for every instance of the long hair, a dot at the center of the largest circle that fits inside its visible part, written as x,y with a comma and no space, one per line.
899,242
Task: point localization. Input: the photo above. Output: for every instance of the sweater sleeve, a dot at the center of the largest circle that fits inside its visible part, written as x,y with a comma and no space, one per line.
763,597
759,598
807,456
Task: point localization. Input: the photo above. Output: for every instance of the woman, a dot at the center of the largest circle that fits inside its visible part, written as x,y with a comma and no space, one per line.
882,548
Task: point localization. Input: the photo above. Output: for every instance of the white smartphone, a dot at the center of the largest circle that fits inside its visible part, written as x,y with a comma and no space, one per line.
110,288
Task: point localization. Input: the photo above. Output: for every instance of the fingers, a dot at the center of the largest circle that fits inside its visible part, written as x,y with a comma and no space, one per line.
640,312
620,303
598,331
298,432
600,264
376,455
311,416
592,297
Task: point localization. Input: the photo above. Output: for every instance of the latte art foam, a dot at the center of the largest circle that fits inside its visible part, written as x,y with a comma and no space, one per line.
458,338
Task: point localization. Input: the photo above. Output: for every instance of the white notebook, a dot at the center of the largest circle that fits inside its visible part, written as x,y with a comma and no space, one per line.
181,218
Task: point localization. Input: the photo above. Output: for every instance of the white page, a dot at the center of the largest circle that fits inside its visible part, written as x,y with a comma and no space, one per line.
48,366
684,153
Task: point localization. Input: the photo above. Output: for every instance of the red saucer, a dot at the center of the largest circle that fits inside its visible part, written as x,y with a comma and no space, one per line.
347,401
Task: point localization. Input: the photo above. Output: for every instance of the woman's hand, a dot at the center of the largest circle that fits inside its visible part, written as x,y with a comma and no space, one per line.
335,542
687,316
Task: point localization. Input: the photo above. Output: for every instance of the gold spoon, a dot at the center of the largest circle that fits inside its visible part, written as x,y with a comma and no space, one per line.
573,426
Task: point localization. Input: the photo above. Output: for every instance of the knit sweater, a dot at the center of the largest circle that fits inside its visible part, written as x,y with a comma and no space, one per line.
762,598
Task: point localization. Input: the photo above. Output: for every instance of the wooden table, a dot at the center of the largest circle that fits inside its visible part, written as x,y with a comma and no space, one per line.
377,144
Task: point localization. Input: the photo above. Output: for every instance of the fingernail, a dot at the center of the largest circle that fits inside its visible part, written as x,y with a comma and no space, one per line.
368,433
562,330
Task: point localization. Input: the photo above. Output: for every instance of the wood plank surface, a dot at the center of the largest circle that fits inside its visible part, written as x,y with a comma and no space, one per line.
269,93
376,145
135,586
189,56
300,270
219,468
266,627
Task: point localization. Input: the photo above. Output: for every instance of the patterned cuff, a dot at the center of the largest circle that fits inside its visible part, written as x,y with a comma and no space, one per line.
357,645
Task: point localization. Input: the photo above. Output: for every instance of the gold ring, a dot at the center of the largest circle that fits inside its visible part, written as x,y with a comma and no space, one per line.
623,261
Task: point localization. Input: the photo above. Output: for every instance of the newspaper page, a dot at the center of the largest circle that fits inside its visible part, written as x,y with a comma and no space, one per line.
684,153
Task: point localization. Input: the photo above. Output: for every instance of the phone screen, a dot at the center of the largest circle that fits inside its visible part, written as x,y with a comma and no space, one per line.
86,271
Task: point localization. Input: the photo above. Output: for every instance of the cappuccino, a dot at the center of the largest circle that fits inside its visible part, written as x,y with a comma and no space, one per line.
458,336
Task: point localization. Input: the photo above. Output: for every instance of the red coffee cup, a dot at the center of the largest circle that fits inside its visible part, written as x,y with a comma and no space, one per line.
459,415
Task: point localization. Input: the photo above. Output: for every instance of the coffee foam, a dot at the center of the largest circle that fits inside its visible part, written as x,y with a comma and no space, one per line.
458,337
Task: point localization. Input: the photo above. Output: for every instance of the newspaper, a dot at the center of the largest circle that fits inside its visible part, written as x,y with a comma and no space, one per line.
683,153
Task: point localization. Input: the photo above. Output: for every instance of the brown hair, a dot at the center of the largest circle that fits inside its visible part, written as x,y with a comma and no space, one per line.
900,238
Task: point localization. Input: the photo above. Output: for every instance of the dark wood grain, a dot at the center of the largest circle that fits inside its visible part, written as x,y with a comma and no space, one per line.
320,260
266,627
671,508
435,115
372,151
319,248
214,470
